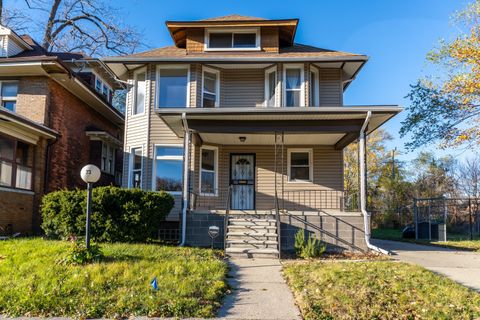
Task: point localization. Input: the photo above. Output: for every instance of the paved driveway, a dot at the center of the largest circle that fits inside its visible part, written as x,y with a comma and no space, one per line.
460,266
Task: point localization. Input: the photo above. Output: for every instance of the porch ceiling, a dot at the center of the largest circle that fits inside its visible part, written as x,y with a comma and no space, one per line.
269,138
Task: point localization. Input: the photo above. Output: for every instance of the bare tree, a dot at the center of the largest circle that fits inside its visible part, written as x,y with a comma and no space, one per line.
13,18
468,177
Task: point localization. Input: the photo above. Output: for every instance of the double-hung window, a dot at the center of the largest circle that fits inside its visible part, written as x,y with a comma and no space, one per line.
136,168
9,90
173,87
314,87
103,88
108,158
232,39
16,163
209,169
211,88
270,87
300,168
293,86
169,168
140,88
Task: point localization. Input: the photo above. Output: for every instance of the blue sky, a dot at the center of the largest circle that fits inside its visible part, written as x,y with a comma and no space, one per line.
396,35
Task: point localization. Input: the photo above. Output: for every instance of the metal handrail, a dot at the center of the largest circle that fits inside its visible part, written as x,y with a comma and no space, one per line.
320,199
277,216
227,212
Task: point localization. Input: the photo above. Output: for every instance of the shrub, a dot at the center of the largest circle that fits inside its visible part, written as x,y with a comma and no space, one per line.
118,215
311,249
79,254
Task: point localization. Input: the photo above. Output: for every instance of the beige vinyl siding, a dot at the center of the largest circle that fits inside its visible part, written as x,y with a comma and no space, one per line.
331,89
242,88
327,172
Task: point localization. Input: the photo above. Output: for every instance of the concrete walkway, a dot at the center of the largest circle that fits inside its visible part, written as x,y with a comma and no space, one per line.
258,292
460,266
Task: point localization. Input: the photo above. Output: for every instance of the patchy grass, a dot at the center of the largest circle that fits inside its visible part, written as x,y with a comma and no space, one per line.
191,281
455,241
377,290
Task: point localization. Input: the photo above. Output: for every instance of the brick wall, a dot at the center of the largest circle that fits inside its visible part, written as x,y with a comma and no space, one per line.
32,98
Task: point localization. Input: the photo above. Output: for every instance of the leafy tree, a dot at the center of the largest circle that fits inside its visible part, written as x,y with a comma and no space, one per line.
445,109
433,177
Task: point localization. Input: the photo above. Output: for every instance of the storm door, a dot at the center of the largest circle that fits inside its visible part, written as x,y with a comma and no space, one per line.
242,180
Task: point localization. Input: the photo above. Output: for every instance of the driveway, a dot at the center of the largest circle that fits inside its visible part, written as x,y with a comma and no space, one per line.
460,266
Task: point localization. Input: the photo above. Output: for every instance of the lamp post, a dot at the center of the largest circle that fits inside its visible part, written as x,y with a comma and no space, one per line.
90,174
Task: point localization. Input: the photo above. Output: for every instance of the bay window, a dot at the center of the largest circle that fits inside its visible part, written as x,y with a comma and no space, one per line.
140,89
173,87
136,168
300,167
210,88
208,170
16,163
8,91
314,87
169,168
293,85
270,87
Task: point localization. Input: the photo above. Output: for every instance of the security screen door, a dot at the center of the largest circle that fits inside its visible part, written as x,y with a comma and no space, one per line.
242,180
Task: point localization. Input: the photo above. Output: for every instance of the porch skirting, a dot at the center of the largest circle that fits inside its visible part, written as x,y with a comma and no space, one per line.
341,231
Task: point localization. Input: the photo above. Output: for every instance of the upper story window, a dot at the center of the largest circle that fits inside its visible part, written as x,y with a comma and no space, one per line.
9,90
293,86
173,87
103,88
140,88
211,88
232,39
270,87
314,89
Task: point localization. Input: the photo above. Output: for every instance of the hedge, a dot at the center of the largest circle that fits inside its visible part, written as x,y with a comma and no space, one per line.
118,215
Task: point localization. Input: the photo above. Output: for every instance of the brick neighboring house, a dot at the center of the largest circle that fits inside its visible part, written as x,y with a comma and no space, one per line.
55,117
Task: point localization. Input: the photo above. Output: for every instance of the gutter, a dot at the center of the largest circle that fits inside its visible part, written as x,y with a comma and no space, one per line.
363,184
186,168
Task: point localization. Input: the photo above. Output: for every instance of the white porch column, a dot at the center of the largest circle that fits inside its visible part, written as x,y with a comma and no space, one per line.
186,175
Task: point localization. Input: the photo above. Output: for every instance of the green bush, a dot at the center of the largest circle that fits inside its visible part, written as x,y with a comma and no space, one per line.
312,248
79,254
118,215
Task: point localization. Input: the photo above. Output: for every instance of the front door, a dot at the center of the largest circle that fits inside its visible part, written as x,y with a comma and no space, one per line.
242,180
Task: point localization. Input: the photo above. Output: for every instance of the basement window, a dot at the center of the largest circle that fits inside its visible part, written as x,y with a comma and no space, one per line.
232,39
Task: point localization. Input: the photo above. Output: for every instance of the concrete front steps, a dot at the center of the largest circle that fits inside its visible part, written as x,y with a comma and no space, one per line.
252,237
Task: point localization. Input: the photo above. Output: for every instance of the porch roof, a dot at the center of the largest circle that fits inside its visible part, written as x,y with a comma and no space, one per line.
337,126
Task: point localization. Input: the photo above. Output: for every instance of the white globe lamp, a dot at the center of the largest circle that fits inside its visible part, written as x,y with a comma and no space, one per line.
90,174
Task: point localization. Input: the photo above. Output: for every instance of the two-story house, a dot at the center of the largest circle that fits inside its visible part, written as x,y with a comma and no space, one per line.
247,129
56,116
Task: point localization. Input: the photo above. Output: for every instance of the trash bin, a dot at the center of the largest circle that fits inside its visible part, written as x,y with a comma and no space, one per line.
437,231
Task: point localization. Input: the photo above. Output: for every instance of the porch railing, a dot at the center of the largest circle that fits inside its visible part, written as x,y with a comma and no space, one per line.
314,200
216,199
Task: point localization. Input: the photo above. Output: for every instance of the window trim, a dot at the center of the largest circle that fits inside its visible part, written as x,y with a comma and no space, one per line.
9,99
215,149
217,85
302,83
157,86
255,30
130,167
13,162
316,102
112,168
154,166
134,98
310,164
268,71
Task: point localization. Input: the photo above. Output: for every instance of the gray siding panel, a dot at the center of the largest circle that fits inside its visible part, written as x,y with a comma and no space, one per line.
331,91
242,88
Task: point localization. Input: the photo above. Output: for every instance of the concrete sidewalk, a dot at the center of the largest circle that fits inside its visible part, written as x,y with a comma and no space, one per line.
460,266
258,292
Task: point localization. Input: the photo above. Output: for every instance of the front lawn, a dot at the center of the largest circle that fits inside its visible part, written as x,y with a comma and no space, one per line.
191,282
454,241
377,290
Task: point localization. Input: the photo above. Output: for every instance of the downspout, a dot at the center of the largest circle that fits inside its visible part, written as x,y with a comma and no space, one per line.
363,185
186,168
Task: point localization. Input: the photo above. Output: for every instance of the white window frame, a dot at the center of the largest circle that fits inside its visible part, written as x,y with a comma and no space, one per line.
157,87
103,85
154,166
217,85
267,84
310,164
8,99
316,101
103,164
134,92
215,150
130,166
232,31
302,82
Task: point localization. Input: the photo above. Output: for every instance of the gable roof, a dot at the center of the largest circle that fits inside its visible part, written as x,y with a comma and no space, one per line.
233,17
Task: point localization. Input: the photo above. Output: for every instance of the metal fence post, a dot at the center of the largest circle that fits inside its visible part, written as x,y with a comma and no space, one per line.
445,208
429,220
470,218
415,217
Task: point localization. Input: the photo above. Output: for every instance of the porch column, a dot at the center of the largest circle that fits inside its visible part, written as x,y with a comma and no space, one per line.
363,179
186,177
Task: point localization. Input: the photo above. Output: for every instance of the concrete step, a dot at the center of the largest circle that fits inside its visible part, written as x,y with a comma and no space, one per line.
254,244
252,228
256,233
252,253
256,222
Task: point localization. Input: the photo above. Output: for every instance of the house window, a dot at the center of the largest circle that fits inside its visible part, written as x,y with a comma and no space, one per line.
211,88
108,158
232,39
270,86
140,89
136,172
314,87
173,87
103,88
9,90
169,168
293,86
209,168
300,165
16,163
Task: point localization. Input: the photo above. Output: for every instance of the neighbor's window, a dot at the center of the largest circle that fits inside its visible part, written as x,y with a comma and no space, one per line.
108,158
9,90
300,165
233,39
140,90
211,88
208,167
103,88
136,172
16,163
270,85
314,87
169,168
173,87
293,86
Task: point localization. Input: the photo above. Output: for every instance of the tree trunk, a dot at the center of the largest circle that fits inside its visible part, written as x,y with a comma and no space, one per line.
47,38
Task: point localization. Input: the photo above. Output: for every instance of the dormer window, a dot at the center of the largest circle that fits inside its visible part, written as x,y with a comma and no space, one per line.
232,39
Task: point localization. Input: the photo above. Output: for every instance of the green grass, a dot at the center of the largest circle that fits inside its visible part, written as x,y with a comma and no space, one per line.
377,290
455,241
34,283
